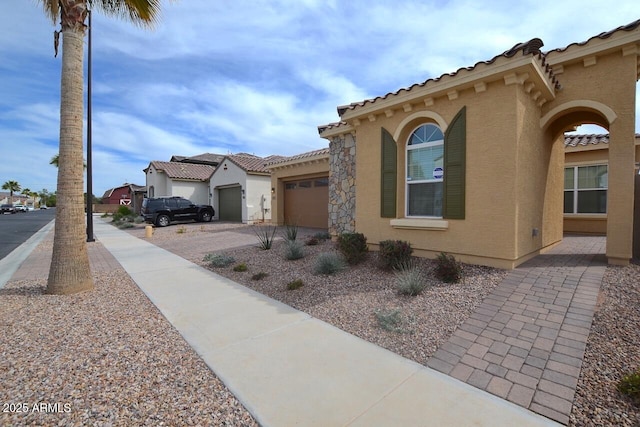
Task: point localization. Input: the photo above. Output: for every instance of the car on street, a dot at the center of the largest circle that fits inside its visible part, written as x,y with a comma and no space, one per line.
21,208
162,211
7,208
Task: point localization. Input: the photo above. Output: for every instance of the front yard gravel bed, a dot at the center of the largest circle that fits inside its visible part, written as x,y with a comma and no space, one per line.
350,299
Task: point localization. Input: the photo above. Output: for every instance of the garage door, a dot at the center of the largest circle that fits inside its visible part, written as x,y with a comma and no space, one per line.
306,202
230,204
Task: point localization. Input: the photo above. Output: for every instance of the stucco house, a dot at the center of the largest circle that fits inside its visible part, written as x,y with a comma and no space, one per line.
473,162
241,188
188,180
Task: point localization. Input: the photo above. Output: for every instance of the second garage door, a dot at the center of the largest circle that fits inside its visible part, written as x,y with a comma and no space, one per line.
230,204
306,202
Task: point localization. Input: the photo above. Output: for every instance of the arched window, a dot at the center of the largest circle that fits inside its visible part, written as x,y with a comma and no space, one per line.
425,170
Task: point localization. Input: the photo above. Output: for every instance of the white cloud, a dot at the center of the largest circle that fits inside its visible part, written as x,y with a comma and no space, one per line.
256,76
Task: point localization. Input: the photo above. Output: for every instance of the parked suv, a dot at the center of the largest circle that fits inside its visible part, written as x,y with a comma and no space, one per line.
7,208
161,211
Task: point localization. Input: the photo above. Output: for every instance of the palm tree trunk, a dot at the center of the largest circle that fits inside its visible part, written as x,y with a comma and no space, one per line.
70,271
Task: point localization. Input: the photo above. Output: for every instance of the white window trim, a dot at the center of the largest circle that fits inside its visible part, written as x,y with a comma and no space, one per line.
407,182
413,223
575,190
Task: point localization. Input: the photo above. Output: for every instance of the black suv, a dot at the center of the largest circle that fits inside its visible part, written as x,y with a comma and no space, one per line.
161,211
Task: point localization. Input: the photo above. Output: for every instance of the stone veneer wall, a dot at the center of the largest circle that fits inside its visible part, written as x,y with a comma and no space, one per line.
342,184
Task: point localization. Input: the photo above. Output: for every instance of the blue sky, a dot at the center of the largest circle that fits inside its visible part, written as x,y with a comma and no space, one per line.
250,76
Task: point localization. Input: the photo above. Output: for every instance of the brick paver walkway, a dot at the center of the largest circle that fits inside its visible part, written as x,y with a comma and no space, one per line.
526,341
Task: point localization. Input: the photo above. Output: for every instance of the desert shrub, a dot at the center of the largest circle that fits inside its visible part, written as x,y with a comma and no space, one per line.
630,385
266,236
448,269
329,263
296,284
124,211
311,241
353,246
390,320
410,279
322,235
181,230
293,250
259,276
240,267
290,232
219,260
394,253
138,219
125,225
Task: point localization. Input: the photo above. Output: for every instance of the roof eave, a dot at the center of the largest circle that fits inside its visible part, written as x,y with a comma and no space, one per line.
525,68
299,161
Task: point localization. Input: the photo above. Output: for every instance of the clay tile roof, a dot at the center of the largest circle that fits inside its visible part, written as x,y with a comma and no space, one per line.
189,171
332,125
251,163
531,47
205,159
605,35
309,154
584,140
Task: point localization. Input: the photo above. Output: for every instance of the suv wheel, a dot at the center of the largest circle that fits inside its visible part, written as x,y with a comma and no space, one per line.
162,220
205,216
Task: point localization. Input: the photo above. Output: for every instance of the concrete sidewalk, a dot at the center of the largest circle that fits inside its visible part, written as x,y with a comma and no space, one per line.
288,368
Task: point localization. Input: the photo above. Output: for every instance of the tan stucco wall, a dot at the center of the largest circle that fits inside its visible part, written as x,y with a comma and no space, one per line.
281,175
515,152
604,85
507,175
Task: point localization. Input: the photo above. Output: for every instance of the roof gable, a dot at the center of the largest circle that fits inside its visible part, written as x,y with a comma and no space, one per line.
186,171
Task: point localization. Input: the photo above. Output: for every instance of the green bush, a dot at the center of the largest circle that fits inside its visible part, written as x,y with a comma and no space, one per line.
394,253
329,263
125,225
630,385
266,236
322,235
390,320
219,260
259,276
410,279
240,267
448,269
124,211
296,284
353,246
293,250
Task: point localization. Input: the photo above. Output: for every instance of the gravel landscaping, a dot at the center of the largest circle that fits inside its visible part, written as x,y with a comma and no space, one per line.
112,356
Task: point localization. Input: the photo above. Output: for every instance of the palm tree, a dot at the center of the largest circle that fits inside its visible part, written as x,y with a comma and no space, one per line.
13,187
70,271
26,192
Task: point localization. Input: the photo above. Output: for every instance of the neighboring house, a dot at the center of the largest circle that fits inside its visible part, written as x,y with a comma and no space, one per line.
130,195
188,180
472,163
300,190
241,188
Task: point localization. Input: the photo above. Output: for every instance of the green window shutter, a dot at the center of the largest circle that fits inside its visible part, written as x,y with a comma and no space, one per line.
389,176
454,166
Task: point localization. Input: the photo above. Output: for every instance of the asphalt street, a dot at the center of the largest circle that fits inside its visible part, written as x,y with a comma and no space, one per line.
15,229
19,234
